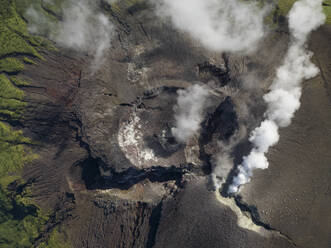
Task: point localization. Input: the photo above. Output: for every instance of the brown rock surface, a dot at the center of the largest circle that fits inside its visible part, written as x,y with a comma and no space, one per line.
293,195
115,177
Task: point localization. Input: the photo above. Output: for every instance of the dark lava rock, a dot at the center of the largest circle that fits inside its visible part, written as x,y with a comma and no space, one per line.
110,171
223,122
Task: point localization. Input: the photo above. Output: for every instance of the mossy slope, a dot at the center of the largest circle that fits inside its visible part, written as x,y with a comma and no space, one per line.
21,221
14,37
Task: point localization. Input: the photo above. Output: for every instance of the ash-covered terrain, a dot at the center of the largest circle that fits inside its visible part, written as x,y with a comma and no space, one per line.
167,124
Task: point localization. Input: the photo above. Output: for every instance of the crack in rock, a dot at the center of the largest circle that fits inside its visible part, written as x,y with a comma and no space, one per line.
247,218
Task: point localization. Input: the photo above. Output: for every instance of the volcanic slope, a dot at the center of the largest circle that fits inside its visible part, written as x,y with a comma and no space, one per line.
109,171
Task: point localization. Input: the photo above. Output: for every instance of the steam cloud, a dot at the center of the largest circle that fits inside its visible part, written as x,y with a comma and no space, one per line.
188,112
83,28
283,100
220,25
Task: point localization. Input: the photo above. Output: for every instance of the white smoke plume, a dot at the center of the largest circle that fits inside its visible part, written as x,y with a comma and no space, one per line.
83,28
223,161
283,100
220,25
188,112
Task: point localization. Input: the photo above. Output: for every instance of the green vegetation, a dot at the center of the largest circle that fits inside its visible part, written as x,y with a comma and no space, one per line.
286,5
14,37
11,65
327,11
18,82
12,43
11,104
21,221
28,61
13,154
54,7
55,241
7,90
